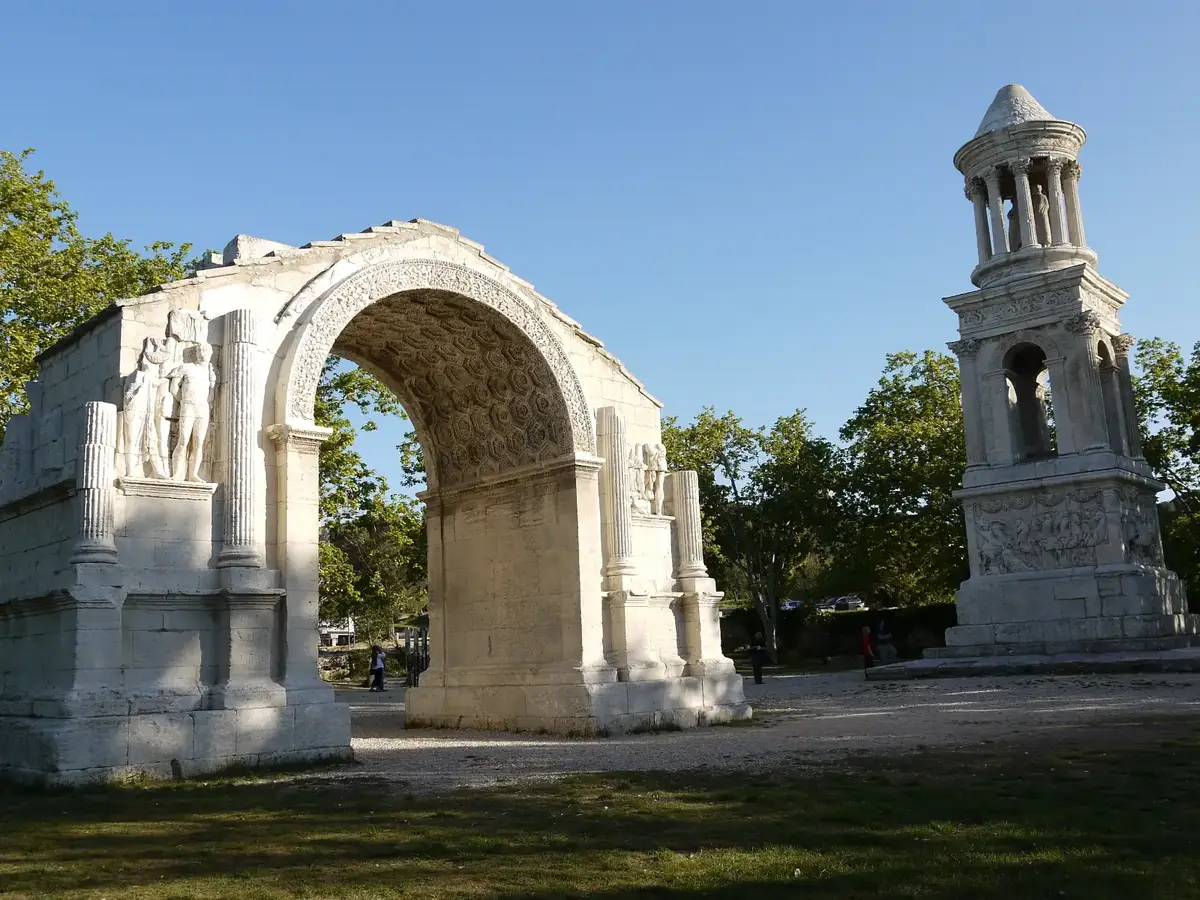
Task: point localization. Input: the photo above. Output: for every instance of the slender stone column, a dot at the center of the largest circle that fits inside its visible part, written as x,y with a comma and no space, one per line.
683,493
1122,344
977,194
241,395
617,517
966,352
1085,396
1058,222
94,477
1020,170
996,208
1070,174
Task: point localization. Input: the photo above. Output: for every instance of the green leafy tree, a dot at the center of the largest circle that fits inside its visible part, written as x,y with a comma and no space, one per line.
1167,395
372,555
902,534
53,279
380,561
768,498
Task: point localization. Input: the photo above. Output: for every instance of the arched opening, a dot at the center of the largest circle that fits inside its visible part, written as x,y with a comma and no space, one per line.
1031,409
512,499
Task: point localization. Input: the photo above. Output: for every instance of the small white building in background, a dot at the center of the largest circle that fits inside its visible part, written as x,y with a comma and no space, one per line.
336,634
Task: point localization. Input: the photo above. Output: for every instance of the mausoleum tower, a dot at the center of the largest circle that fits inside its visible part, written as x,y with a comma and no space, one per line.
1060,505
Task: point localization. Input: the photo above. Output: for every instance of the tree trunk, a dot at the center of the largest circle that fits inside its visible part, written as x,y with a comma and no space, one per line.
768,615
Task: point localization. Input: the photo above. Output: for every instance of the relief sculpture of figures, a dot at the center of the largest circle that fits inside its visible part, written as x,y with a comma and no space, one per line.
136,425
656,476
172,385
637,479
192,385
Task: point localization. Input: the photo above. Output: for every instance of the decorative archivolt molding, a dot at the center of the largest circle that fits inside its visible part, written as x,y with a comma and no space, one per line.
319,323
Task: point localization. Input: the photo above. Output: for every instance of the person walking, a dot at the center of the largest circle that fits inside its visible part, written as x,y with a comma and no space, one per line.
378,657
758,656
868,651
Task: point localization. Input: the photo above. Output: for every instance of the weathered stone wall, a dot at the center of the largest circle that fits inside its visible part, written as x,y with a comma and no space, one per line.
158,587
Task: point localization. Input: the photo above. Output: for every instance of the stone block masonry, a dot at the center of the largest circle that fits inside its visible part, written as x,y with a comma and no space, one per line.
159,518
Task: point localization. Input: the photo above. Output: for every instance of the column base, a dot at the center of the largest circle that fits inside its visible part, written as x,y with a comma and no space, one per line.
581,709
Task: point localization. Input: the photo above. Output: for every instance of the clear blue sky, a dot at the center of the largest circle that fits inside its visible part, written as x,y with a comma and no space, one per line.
751,204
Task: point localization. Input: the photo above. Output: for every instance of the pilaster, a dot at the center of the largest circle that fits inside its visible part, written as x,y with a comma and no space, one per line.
241,397
615,500
95,477
297,455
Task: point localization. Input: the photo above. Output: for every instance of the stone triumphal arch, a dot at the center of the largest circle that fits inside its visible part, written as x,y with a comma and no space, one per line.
159,517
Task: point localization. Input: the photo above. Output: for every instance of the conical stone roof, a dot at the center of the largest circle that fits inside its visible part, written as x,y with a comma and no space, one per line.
1013,106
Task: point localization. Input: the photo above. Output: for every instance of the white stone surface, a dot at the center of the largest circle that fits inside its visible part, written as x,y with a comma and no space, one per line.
185,638
1062,533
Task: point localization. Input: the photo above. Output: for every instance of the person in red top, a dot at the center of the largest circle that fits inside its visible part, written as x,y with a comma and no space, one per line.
868,651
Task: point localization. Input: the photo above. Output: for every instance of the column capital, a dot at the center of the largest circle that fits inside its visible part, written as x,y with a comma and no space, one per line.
1123,343
303,436
1071,169
965,348
992,178
1020,166
975,189
1086,322
1056,163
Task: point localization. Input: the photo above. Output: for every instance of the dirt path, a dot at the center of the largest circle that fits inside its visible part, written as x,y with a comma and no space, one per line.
801,722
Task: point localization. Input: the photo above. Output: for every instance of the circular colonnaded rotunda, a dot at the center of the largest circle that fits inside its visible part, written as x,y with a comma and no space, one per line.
159,518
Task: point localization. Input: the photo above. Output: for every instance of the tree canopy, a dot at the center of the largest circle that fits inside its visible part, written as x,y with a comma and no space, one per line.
52,278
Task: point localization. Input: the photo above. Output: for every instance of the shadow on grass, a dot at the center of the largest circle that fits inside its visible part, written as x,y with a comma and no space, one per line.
1088,823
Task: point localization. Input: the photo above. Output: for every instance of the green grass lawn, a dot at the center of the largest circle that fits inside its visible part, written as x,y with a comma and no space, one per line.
1098,820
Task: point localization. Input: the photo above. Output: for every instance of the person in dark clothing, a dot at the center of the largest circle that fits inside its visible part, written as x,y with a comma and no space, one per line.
758,657
868,651
377,666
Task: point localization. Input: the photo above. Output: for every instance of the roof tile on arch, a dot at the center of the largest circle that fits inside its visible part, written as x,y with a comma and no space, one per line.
1013,106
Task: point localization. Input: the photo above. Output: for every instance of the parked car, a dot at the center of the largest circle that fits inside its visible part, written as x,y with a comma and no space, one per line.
791,604
842,604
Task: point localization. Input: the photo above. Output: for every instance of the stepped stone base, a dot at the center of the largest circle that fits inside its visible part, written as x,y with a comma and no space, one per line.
1149,659
49,752
580,709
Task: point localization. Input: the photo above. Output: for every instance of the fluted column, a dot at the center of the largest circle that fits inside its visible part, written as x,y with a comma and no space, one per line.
683,498
241,396
977,194
1070,174
617,518
972,405
1122,344
94,477
1020,170
996,208
1058,222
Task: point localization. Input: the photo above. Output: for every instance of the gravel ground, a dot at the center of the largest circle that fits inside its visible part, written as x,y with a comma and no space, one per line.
801,721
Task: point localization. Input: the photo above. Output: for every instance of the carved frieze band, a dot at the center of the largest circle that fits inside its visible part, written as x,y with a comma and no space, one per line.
1033,532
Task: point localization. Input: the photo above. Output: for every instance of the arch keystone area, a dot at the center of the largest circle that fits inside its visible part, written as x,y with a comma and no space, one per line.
159,525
